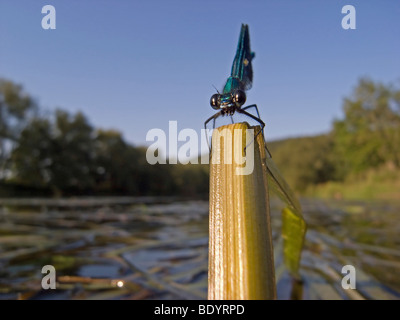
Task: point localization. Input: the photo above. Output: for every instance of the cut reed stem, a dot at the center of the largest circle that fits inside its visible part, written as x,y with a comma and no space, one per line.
241,264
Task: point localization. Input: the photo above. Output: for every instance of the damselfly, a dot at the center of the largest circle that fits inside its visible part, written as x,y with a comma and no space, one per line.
231,101
233,96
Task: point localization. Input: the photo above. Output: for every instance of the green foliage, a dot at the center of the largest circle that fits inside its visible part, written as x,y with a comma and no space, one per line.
305,161
369,134
382,183
367,137
116,163
31,158
191,179
64,154
68,156
56,153
15,108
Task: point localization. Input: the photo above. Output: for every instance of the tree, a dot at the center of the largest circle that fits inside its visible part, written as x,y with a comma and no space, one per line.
16,107
32,158
305,161
63,154
57,153
117,163
73,152
369,134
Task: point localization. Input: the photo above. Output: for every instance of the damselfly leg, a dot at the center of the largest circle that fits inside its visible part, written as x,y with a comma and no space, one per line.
258,114
241,111
252,106
214,117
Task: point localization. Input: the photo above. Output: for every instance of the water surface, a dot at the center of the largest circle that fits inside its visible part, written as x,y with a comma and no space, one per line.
149,248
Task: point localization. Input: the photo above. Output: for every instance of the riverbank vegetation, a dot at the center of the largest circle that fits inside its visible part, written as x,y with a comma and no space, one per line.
358,158
61,154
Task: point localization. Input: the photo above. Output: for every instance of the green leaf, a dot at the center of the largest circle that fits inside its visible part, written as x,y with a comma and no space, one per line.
293,232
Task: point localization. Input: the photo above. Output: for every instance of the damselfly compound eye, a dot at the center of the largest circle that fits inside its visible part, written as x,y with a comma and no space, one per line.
215,101
239,97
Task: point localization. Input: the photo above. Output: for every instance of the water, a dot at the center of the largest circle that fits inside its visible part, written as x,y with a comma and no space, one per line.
141,249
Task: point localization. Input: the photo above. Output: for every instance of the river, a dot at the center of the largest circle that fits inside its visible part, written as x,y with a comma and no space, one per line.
157,248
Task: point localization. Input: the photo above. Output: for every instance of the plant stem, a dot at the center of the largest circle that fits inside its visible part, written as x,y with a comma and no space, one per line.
241,264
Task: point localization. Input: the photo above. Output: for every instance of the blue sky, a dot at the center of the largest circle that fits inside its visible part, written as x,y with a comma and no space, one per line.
134,66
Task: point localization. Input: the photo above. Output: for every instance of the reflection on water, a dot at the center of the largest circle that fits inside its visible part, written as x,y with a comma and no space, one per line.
148,250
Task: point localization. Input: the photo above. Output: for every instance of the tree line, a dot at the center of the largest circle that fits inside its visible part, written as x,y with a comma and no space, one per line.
59,153
366,138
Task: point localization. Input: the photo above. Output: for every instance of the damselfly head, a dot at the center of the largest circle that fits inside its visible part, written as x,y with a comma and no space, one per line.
235,99
238,98
215,101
